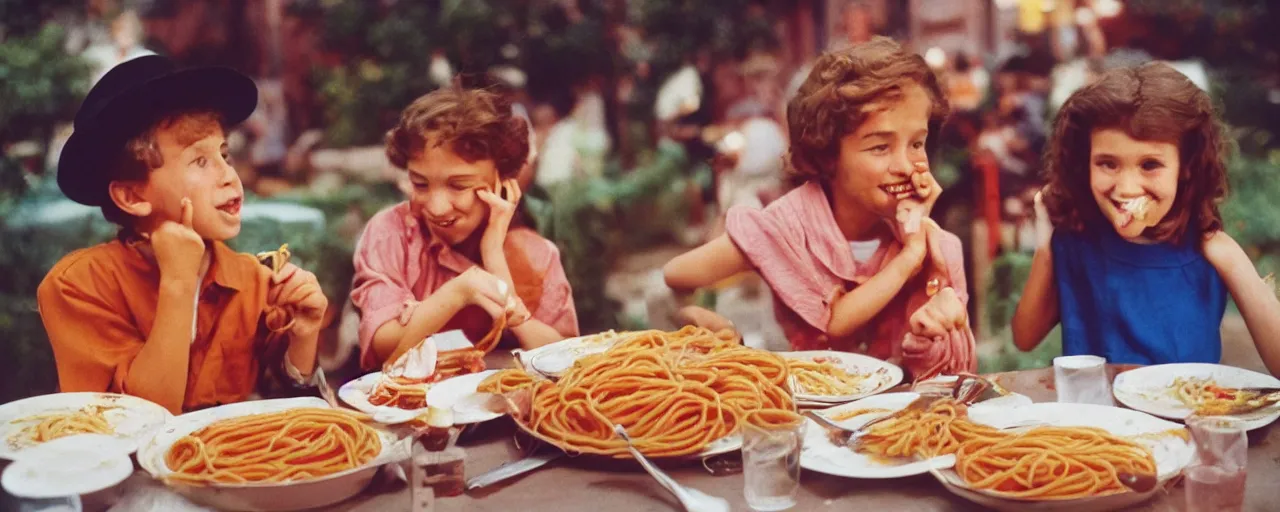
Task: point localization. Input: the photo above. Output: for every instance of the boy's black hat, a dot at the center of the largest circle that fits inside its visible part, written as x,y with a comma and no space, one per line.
127,100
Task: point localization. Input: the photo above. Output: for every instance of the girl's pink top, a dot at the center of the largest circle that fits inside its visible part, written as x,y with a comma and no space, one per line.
797,247
398,264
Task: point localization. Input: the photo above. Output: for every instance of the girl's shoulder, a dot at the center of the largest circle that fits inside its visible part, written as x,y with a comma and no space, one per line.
537,248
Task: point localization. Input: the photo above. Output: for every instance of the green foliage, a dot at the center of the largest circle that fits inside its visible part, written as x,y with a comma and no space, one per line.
1251,214
1008,275
595,221
39,84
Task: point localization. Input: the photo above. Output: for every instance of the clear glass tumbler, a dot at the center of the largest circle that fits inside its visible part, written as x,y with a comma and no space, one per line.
771,444
1082,380
1216,481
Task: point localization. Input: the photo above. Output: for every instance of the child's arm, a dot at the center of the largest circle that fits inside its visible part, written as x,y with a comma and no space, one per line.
1255,298
852,310
475,286
1037,311
715,261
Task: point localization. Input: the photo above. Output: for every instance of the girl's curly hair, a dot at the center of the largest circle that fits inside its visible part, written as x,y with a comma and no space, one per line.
475,124
1150,102
833,101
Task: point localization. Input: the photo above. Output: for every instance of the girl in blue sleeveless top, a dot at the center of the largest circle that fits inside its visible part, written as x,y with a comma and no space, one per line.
1138,269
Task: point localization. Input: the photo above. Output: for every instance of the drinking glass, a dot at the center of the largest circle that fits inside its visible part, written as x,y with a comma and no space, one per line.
1082,380
771,444
1216,481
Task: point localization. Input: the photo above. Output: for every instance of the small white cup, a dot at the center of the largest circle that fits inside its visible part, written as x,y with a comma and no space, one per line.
1082,380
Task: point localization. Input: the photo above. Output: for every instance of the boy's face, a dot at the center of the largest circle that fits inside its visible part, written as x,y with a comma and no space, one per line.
877,160
195,167
444,192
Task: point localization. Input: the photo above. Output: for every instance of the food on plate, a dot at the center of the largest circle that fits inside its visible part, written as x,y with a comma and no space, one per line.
1204,396
822,377
927,433
42,428
286,446
857,412
505,381
675,392
1052,463
406,379
1045,462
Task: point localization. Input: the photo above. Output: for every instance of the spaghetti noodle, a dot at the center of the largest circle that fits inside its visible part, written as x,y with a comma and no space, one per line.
674,392
47,427
1056,463
292,445
823,378
505,381
1042,463
401,393
936,431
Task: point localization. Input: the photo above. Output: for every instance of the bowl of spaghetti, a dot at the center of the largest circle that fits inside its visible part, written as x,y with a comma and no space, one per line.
680,395
288,454
36,420
1064,456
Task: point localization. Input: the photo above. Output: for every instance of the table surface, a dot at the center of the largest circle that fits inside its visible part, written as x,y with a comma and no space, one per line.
584,485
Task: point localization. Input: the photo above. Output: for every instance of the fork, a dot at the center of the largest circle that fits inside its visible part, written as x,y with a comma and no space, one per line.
691,499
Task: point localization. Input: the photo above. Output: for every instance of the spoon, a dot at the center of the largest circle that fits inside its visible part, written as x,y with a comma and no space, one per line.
1137,482
691,499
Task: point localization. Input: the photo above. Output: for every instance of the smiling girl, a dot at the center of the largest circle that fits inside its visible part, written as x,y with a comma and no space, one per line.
850,254
434,262
1138,268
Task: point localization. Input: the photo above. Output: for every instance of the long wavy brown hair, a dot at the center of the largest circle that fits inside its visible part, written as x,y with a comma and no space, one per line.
832,102
1152,102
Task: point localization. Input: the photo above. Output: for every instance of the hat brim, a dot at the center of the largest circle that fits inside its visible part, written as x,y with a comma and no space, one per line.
82,168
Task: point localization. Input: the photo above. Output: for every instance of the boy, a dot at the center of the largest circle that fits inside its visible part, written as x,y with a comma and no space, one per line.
167,312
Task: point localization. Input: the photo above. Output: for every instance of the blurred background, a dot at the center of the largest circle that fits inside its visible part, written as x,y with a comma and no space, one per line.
651,117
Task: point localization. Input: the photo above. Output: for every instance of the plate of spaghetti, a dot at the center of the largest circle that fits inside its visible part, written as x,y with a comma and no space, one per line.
553,359
827,376
372,392
680,395
287,454
33,421
1063,456
1175,391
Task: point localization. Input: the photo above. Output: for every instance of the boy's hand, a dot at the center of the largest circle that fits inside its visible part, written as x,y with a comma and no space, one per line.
178,248
299,290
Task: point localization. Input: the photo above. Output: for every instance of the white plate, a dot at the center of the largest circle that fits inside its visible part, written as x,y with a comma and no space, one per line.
319,492
69,466
1150,389
132,418
883,375
820,455
1171,453
551,360
469,406
356,394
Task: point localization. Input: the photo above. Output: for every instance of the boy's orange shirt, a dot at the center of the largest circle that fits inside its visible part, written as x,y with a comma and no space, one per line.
99,305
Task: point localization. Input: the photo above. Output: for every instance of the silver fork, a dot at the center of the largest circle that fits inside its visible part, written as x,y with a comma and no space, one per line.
691,499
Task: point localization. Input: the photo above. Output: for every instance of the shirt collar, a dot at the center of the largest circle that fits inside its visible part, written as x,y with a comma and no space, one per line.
436,248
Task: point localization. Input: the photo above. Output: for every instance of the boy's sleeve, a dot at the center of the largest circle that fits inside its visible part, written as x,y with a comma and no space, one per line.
556,308
94,340
380,290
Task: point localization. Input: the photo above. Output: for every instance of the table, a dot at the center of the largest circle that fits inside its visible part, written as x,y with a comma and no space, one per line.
571,485
568,485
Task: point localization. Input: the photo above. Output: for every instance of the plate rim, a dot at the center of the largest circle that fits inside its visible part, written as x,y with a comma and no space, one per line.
895,376
1131,398
138,404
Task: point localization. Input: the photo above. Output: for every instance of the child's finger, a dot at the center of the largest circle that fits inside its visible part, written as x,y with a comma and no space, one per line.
187,214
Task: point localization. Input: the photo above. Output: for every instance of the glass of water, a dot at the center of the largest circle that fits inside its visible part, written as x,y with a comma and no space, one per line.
771,444
1082,380
1216,482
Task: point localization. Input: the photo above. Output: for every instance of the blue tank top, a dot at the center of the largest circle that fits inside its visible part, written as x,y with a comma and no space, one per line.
1135,303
